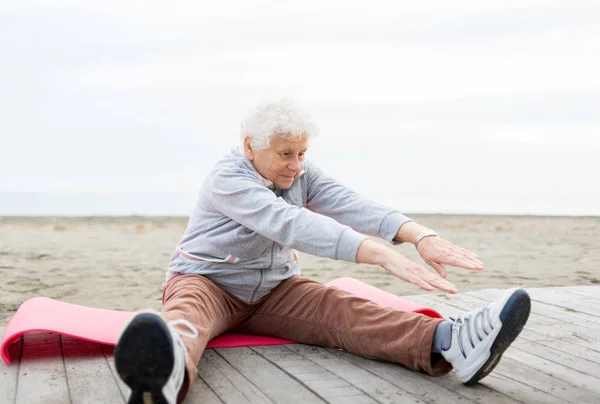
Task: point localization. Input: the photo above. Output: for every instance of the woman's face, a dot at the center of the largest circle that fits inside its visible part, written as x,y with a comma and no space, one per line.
281,163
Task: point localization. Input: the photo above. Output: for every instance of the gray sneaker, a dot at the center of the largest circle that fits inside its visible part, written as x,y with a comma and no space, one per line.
480,337
150,358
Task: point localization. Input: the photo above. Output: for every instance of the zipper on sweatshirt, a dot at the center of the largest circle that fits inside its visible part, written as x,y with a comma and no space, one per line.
278,192
262,274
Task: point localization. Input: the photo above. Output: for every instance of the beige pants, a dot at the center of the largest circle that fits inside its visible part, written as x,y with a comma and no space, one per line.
304,311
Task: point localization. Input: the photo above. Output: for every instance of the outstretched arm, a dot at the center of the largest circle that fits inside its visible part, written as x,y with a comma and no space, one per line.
330,198
242,198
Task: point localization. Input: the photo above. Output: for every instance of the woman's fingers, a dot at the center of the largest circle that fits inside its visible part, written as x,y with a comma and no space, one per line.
432,280
463,263
462,259
439,268
414,273
469,256
444,252
442,284
421,283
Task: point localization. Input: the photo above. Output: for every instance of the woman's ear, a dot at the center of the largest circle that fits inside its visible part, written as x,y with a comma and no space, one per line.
248,152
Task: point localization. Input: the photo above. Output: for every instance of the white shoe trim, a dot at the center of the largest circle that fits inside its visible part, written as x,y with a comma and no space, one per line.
173,386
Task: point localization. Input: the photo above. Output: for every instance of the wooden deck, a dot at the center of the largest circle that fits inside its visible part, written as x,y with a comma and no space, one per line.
555,360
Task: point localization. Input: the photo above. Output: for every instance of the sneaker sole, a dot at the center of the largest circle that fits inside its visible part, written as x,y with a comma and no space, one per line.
144,358
513,316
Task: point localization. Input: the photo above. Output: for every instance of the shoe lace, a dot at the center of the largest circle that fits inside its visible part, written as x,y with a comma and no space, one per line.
468,323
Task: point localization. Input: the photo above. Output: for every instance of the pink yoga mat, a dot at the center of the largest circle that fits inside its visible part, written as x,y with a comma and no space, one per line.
42,314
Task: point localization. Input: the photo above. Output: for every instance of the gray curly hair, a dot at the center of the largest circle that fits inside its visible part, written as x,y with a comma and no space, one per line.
283,118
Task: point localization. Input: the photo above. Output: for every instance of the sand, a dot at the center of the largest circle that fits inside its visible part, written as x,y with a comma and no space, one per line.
119,263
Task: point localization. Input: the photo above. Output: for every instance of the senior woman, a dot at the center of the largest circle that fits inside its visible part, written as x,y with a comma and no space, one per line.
236,268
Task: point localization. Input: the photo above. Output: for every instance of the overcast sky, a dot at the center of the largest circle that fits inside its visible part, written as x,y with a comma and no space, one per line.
428,106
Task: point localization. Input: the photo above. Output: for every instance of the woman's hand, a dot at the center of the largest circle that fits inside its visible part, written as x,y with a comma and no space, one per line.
370,252
410,271
438,252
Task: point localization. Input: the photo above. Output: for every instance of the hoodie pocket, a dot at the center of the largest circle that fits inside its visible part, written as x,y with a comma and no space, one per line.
230,259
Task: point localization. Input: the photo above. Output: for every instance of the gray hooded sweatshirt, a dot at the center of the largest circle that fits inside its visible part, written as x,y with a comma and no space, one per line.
244,233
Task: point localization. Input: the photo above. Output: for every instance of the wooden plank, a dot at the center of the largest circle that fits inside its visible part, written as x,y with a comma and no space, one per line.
568,332
227,383
201,393
562,314
538,377
589,291
565,346
565,299
443,389
109,351
42,377
272,381
577,362
557,370
518,389
344,399
371,374
334,380
10,374
541,380
89,376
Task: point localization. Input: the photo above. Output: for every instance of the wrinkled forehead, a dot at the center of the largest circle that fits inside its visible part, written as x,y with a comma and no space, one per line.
288,143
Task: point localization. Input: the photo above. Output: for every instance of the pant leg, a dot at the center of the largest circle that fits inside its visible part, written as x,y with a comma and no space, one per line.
208,307
309,312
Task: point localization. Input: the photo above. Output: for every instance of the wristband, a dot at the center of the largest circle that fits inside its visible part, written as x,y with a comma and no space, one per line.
423,234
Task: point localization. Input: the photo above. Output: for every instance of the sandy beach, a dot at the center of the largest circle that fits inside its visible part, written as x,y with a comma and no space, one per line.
120,262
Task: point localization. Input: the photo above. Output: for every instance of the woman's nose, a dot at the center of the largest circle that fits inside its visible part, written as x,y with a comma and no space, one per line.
295,166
